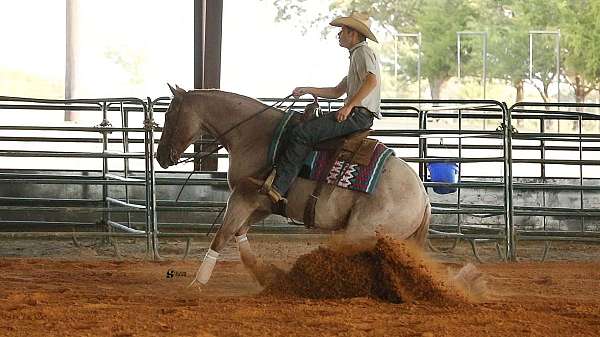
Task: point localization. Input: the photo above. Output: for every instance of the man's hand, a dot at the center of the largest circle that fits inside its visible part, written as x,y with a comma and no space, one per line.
299,91
343,113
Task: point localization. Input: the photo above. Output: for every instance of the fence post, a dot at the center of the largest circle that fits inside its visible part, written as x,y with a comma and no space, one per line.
151,219
511,254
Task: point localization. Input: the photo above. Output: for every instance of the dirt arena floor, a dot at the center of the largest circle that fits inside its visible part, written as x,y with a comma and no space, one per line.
52,288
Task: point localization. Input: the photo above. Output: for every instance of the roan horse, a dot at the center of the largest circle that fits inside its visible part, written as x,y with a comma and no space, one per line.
398,207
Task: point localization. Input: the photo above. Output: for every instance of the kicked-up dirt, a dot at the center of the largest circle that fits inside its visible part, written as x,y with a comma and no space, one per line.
88,295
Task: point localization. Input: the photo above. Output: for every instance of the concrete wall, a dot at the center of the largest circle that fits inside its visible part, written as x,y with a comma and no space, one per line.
469,196
528,198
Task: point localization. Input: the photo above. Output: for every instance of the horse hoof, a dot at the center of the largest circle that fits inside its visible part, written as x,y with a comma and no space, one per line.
195,286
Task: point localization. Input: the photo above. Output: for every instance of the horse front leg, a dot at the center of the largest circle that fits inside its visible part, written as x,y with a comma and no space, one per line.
240,208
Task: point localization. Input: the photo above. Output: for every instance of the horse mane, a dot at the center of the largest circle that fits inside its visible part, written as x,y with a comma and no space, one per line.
225,94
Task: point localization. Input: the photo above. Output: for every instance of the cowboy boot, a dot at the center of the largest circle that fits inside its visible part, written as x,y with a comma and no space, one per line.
278,202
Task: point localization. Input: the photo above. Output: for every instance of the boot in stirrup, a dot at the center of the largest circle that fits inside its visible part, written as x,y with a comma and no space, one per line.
266,187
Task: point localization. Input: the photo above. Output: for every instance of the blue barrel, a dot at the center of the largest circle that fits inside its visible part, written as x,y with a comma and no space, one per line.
443,173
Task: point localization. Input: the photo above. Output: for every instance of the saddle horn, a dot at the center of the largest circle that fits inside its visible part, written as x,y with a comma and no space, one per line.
312,109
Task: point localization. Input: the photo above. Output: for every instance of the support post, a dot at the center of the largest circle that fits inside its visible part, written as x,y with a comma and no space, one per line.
511,244
208,19
71,40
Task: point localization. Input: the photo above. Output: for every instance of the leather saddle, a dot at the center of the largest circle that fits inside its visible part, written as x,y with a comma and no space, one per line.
354,148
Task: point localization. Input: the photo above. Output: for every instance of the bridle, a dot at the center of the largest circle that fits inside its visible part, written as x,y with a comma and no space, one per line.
218,139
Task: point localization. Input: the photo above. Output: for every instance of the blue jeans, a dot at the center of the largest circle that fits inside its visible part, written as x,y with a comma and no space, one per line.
302,138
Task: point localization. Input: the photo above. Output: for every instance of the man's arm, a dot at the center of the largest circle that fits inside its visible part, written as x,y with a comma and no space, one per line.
330,92
365,89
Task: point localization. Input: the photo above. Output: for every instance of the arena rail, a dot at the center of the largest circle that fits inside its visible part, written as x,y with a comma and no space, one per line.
85,175
563,146
479,136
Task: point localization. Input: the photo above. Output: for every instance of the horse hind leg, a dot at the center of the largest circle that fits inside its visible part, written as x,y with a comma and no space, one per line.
420,235
256,267
246,254
263,273
369,220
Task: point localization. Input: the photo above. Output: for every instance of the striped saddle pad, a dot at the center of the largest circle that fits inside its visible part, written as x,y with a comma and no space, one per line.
344,174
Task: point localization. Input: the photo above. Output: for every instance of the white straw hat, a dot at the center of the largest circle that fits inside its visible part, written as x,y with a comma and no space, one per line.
357,21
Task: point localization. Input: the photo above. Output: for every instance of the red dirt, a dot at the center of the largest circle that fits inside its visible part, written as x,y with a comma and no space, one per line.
45,297
393,271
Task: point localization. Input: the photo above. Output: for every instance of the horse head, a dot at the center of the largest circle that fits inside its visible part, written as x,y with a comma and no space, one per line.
180,130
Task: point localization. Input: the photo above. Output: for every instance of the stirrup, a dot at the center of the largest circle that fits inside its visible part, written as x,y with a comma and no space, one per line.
266,187
275,196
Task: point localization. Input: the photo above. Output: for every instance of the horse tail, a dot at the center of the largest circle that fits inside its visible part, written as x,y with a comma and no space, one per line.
420,235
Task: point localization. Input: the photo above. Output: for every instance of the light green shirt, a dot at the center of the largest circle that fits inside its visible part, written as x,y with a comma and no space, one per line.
363,60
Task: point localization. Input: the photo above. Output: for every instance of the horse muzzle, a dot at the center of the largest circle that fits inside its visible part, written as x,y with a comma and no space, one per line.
166,156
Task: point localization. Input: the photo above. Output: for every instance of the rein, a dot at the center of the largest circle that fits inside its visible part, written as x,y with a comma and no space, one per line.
219,137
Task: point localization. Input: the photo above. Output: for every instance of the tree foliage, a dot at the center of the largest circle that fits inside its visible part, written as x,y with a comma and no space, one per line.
507,45
582,45
507,23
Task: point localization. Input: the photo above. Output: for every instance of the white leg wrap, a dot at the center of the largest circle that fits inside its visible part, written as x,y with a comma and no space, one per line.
207,266
241,238
243,243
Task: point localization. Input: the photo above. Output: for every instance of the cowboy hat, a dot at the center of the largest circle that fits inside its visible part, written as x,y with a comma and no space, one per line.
357,21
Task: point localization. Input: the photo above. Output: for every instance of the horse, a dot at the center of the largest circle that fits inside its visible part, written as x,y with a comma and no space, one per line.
399,206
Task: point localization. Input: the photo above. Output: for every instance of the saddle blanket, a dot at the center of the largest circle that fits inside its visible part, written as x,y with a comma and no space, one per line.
354,177
344,174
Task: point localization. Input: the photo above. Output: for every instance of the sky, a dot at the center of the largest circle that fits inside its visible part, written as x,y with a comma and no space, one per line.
260,57
30,38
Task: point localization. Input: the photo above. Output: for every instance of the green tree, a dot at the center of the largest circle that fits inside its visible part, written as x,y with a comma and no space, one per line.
541,15
582,43
507,44
437,20
508,23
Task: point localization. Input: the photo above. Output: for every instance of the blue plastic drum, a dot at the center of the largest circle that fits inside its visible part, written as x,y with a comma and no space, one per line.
443,173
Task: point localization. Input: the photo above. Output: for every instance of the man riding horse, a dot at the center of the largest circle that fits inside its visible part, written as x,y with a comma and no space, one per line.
392,201
362,89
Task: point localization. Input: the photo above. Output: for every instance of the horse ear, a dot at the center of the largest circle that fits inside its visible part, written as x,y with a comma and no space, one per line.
180,90
172,90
